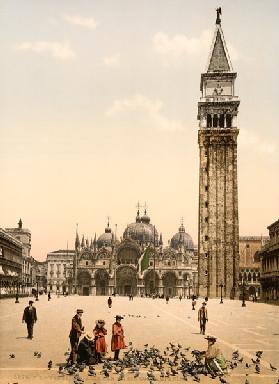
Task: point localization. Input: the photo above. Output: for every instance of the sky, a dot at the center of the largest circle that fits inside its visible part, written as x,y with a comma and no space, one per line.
99,111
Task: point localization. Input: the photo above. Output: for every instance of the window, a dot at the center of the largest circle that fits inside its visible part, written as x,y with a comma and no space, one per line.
206,219
221,121
206,188
179,273
247,245
104,263
228,120
206,204
206,255
205,237
86,263
215,121
151,263
1,252
209,121
205,272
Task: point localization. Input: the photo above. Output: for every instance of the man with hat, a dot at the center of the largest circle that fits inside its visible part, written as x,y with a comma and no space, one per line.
29,317
202,317
86,350
99,333
117,339
75,333
215,363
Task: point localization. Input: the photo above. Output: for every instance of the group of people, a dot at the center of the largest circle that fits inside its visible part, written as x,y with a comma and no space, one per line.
93,346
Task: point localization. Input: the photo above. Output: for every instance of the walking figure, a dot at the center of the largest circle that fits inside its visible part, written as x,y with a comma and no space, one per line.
193,303
180,298
117,339
202,317
167,299
29,317
48,296
75,333
109,302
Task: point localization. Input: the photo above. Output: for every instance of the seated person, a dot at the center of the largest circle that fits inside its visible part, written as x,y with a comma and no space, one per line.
86,350
215,363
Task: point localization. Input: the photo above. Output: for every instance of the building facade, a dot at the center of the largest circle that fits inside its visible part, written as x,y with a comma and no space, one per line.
269,256
24,236
59,267
138,265
218,236
249,263
10,264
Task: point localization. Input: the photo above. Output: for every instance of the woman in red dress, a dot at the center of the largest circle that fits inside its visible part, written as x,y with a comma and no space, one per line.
117,339
99,333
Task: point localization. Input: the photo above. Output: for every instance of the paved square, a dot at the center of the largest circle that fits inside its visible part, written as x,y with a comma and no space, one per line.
255,327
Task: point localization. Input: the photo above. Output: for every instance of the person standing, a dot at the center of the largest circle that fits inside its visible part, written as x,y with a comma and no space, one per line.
193,303
167,299
117,339
75,333
99,333
202,317
109,302
30,317
48,296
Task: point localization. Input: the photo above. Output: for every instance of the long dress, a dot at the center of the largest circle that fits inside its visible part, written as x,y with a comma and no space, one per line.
100,341
215,363
117,339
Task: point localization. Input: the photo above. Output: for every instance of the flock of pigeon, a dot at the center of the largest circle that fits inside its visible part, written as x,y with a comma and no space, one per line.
152,364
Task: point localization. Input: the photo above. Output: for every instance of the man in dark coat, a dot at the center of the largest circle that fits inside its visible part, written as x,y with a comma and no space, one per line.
75,333
29,317
109,302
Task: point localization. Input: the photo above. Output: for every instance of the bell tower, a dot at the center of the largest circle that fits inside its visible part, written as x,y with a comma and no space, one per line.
218,249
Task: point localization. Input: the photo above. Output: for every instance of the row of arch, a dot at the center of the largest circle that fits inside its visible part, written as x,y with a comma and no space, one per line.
126,281
251,277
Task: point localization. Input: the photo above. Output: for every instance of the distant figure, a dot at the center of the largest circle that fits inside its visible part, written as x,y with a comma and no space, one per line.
117,339
86,351
109,302
193,303
206,299
215,363
76,331
99,333
48,296
167,299
202,317
180,297
29,317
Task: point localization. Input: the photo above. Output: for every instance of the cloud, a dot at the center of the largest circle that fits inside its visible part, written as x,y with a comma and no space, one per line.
85,22
256,143
112,61
58,50
178,47
146,110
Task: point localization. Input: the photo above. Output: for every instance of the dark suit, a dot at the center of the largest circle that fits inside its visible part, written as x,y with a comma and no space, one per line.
74,336
30,317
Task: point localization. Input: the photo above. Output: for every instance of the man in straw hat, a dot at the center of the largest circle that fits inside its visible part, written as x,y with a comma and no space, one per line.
117,339
215,363
99,333
75,333
86,350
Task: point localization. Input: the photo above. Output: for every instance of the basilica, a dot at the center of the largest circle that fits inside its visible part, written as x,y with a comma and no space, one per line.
138,264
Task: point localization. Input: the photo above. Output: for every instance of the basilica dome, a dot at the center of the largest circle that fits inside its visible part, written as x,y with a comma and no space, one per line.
106,239
181,238
141,231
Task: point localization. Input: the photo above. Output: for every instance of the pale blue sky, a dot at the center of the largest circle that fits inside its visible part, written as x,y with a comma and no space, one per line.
98,110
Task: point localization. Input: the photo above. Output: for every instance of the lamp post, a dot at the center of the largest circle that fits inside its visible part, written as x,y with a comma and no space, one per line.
221,286
37,293
17,293
243,294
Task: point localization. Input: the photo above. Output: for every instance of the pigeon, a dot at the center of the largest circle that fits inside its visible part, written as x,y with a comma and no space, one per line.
247,365
49,364
120,376
35,353
272,367
240,360
12,355
259,353
223,380
39,354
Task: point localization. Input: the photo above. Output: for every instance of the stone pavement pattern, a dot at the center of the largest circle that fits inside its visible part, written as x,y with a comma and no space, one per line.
255,327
